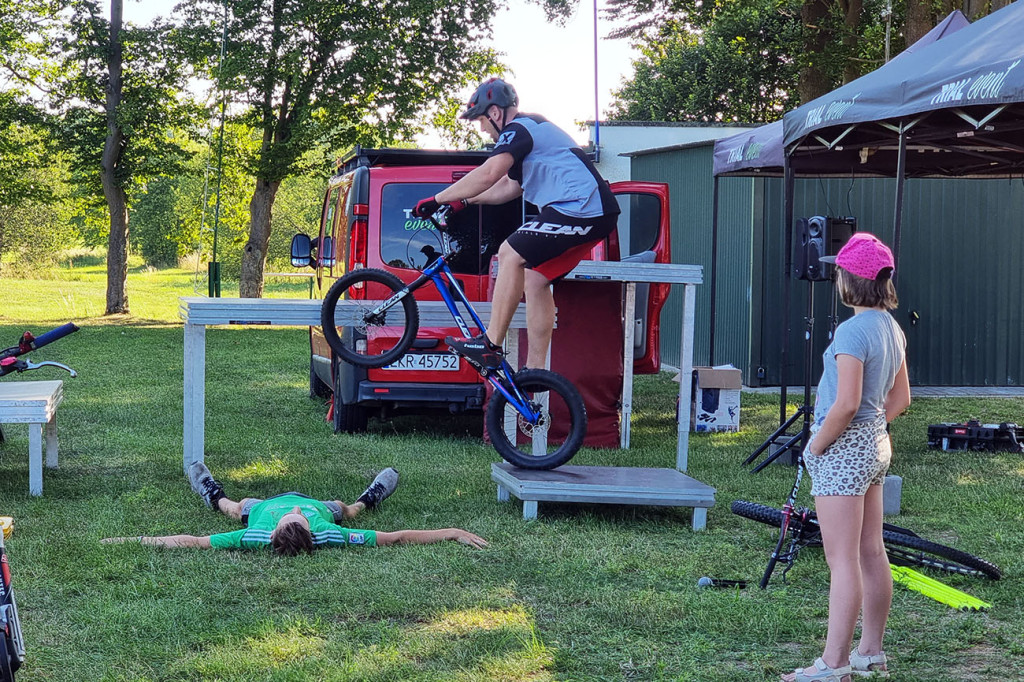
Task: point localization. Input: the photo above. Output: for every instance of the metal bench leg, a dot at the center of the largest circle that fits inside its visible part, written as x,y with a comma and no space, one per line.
700,518
35,459
51,443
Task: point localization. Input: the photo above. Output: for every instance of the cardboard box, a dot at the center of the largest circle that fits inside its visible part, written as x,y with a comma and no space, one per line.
715,404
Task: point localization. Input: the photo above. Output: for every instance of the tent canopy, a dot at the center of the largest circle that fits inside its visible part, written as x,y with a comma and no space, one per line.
957,102
761,151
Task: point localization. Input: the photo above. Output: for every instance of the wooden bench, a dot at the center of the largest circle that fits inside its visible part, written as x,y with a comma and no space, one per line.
34,403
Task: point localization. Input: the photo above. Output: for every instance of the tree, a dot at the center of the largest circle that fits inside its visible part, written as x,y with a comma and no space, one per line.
34,199
750,60
117,88
321,74
739,69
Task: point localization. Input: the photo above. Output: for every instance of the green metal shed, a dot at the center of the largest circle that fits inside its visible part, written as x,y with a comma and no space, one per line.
960,279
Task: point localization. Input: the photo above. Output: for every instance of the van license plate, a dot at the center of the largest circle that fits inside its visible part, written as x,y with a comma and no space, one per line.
434,362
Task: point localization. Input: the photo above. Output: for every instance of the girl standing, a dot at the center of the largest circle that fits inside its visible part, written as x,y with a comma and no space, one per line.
863,387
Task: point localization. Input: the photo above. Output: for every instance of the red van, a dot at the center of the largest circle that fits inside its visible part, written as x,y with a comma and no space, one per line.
367,222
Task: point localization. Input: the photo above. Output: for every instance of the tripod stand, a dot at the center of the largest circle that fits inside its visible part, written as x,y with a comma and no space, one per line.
781,438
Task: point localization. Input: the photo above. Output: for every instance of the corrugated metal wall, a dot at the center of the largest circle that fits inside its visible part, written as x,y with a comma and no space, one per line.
691,190
960,269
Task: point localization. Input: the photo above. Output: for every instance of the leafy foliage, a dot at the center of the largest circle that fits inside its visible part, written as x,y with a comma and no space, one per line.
329,75
154,100
740,69
745,60
35,203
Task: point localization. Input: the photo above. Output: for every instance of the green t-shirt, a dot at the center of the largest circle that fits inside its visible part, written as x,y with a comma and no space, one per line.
263,518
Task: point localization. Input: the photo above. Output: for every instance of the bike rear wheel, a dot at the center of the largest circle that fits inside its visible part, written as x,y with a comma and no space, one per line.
551,442
370,339
903,549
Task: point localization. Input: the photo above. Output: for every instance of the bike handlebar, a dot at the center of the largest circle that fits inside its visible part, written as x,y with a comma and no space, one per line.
51,336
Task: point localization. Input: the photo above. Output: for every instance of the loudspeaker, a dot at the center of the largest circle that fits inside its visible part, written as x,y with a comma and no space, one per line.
816,237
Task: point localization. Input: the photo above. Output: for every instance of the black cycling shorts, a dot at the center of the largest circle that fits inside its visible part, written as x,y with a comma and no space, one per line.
554,243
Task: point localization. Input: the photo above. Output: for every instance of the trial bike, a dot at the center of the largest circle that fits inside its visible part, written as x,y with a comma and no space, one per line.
798,528
12,644
382,318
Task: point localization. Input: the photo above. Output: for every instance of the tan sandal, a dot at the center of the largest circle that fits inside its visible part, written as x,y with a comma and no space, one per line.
822,673
864,666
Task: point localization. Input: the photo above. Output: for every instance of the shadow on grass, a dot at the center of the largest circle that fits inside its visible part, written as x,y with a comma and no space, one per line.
469,643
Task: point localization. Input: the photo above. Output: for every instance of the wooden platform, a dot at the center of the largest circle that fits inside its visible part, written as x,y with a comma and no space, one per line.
603,485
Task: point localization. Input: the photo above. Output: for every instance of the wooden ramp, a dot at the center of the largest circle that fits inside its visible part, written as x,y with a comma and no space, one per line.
604,485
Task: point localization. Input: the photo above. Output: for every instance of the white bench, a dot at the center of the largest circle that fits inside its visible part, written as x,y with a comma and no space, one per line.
34,403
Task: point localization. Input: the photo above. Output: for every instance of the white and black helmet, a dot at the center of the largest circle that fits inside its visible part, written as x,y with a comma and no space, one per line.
493,91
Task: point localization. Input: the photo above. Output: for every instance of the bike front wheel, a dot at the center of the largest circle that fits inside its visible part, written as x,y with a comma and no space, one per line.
555,438
358,329
6,660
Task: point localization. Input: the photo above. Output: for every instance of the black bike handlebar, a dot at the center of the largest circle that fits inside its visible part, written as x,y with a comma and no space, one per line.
29,343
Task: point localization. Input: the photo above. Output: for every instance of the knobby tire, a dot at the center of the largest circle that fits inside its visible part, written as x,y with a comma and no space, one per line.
903,549
6,659
538,381
381,285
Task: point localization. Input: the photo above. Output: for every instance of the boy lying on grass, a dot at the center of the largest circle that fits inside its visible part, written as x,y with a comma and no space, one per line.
292,523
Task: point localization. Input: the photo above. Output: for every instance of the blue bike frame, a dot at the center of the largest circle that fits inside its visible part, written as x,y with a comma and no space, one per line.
444,281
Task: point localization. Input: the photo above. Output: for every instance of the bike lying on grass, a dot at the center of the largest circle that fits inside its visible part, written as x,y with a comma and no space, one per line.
548,412
12,644
799,525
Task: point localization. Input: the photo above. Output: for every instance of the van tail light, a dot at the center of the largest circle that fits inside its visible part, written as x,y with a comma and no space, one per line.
358,236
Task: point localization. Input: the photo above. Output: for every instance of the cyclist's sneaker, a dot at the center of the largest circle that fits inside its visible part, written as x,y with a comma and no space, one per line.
478,350
381,488
204,484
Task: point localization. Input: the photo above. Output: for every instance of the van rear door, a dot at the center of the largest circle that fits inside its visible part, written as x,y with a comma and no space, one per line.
644,235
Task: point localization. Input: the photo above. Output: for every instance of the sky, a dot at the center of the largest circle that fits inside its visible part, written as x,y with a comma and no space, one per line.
552,66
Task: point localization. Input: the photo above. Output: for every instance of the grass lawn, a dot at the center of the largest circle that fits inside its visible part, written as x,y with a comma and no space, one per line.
583,593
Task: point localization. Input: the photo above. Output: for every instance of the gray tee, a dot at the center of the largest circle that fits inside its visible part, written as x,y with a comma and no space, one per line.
874,338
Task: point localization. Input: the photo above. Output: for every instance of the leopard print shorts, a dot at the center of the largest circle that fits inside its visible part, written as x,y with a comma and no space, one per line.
857,460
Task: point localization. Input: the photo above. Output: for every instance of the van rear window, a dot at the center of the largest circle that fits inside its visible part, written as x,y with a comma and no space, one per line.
408,242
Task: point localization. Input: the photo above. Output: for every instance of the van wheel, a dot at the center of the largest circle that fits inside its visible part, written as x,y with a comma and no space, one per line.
348,418
317,388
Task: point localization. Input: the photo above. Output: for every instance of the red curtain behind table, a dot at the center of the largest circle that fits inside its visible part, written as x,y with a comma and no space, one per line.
586,348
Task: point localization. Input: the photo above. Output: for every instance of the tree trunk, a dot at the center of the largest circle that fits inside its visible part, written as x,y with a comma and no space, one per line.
852,10
254,257
113,151
813,81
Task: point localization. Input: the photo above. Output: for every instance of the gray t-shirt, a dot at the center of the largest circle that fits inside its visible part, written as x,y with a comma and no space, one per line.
874,338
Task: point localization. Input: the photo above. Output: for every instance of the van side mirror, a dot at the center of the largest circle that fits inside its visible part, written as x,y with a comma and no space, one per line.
327,253
302,248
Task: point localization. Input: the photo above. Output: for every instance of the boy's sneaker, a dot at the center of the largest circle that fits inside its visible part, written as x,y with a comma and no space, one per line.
381,488
204,484
478,350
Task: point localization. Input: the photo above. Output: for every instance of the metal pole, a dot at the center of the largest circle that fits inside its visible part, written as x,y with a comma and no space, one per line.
597,109
901,171
714,270
788,194
214,283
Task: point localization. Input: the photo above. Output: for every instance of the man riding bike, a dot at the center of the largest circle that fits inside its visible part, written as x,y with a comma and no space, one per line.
535,159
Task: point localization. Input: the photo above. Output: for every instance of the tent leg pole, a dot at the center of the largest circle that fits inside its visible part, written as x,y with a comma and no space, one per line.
714,271
901,180
787,228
